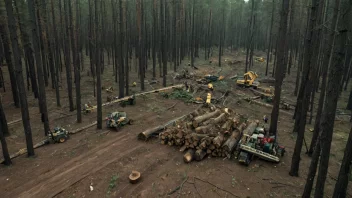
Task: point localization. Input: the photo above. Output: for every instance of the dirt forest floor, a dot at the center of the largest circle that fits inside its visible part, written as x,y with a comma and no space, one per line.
104,158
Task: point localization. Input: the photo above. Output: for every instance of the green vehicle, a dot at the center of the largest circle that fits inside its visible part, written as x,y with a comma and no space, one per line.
59,135
117,120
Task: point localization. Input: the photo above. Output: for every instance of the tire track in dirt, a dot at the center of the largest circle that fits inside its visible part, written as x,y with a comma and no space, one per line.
55,181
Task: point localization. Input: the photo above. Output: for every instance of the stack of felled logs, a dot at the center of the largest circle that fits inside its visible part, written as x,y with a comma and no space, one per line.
207,131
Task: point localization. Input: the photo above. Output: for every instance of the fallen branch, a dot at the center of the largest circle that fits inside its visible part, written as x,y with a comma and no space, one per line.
178,187
14,122
83,128
140,94
216,186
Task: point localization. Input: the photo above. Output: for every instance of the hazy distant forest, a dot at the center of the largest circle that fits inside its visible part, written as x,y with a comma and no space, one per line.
45,44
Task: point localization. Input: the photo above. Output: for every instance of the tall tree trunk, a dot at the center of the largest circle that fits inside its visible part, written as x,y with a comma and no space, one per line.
121,56
310,61
98,69
57,54
3,132
330,105
19,76
41,81
68,58
28,51
42,39
75,56
279,73
163,41
345,170
270,39
193,35
7,53
326,63
154,38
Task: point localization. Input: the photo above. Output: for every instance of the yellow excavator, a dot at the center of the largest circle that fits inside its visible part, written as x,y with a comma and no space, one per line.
248,80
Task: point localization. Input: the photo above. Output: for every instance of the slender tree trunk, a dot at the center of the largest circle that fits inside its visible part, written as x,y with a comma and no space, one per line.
57,55
345,170
41,39
330,105
68,59
163,42
98,69
19,76
28,51
326,62
7,53
3,132
279,73
154,37
310,60
270,39
121,56
41,78
75,57
192,35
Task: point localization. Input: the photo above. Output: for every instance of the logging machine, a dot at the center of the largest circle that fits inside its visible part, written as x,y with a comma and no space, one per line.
260,146
248,80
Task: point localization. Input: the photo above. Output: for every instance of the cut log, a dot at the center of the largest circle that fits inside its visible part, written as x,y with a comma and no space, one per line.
219,119
233,140
236,121
156,130
218,140
183,148
203,129
202,118
189,156
227,125
200,154
251,128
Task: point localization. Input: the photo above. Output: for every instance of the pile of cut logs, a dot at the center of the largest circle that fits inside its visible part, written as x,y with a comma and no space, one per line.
207,131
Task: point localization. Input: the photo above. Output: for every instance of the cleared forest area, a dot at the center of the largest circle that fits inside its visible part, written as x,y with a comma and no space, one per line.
207,74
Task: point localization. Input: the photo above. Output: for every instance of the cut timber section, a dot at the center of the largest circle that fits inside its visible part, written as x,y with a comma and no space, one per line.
44,142
140,94
259,153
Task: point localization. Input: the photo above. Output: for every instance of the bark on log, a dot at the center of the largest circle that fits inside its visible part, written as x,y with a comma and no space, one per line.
233,140
156,130
251,128
219,119
189,156
183,148
200,154
218,140
202,118
227,125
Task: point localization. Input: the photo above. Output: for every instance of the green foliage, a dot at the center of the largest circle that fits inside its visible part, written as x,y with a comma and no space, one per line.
181,94
112,183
